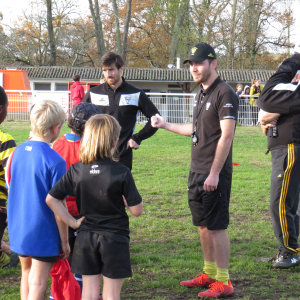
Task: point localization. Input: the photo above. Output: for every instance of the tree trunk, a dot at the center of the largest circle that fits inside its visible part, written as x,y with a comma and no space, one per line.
118,35
126,28
98,27
182,12
51,33
232,37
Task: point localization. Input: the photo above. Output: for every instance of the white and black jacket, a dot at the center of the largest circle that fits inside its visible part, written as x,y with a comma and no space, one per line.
124,104
281,96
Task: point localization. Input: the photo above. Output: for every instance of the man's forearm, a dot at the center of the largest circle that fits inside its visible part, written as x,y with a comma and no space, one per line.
268,118
182,129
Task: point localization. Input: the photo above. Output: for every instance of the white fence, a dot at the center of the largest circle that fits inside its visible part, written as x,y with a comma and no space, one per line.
175,108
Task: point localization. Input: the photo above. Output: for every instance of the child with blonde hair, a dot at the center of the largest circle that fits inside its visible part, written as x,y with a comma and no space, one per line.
102,188
35,233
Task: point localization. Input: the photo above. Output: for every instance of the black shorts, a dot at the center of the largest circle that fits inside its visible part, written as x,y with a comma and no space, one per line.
97,254
51,259
209,209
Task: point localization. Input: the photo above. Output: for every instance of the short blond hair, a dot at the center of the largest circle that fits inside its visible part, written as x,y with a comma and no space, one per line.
100,135
44,115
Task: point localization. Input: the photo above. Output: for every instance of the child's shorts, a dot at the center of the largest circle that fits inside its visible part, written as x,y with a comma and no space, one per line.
97,254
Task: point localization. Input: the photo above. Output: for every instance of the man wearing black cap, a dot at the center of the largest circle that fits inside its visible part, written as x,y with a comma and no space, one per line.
209,184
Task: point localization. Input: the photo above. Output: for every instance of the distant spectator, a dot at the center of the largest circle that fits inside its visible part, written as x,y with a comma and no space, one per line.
77,91
244,105
255,90
239,90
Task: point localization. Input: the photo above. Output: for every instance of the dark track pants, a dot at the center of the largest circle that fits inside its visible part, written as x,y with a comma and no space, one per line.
284,196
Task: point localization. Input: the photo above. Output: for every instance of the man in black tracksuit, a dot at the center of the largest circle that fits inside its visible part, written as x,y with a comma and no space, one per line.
281,99
123,101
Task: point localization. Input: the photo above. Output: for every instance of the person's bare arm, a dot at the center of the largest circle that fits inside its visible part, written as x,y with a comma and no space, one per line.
268,118
183,129
60,210
63,232
136,210
223,147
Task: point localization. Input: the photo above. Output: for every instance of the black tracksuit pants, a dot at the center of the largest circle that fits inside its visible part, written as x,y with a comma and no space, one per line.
284,196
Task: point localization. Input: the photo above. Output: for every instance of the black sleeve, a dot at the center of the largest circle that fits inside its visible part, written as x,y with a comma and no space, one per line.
130,191
87,97
228,106
282,101
148,109
64,186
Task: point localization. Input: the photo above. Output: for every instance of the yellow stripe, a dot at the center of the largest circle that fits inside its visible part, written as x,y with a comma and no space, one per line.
284,190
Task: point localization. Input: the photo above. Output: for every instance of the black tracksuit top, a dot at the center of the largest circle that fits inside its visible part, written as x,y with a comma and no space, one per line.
280,96
124,104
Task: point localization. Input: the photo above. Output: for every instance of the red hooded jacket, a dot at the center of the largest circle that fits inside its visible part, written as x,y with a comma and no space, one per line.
77,93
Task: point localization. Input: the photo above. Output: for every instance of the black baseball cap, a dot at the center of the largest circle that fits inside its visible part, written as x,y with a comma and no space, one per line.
201,52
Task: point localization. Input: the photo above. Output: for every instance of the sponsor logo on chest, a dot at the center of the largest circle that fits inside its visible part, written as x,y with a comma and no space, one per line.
129,99
99,99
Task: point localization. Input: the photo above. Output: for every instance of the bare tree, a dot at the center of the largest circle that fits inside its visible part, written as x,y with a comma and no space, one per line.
117,23
182,14
126,28
51,33
94,8
232,36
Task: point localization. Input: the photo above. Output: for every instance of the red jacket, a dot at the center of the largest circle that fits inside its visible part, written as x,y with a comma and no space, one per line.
77,93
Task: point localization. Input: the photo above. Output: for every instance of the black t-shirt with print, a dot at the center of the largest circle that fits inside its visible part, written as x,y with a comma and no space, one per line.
98,189
220,103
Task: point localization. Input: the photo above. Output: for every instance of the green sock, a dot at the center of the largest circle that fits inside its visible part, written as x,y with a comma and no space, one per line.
4,259
222,275
210,269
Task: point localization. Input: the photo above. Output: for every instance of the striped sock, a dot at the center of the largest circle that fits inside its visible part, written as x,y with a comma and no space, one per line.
210,269
222,275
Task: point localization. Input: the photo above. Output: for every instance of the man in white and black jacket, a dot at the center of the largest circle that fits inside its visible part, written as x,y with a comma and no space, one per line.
123,101
280,98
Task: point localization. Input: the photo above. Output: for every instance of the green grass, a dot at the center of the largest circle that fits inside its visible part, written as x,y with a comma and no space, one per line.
165,247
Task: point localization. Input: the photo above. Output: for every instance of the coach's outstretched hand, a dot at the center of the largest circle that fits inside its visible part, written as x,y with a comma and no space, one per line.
158,122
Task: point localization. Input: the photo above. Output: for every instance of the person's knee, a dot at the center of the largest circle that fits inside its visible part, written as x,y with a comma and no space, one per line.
217,232
202,229
37,281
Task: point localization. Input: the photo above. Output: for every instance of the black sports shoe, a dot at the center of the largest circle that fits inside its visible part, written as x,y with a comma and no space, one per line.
14,260
270,259
285,261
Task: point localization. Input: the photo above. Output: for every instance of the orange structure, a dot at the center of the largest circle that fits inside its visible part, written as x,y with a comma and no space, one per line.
16,80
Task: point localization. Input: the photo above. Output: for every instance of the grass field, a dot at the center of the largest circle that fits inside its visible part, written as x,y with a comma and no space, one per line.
165,245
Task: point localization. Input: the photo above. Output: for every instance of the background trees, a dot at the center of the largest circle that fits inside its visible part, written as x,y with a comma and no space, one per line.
247,34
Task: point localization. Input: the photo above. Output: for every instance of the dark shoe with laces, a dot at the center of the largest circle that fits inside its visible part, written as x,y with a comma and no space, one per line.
286,261
270,259
14,260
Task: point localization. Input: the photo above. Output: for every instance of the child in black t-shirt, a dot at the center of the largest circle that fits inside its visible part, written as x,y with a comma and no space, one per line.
102,188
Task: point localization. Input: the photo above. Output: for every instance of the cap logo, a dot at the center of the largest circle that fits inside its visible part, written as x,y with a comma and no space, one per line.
210,55
193,50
